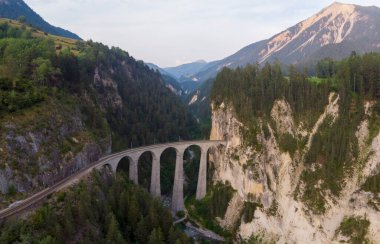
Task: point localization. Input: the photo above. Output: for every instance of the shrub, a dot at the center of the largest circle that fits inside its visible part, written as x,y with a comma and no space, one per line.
288,143
356,228
180,214
372,184
249,211
12,190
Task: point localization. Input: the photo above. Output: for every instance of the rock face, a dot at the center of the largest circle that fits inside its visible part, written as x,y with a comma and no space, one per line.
271,177
45,145
48,142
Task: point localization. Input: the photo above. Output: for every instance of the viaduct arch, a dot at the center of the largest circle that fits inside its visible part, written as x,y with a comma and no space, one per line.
133,156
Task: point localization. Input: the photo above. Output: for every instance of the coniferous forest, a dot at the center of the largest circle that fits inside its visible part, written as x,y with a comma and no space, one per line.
355,78
103,209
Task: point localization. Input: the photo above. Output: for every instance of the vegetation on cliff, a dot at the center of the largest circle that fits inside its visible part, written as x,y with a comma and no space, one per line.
334,153
213,206
355,228
372,184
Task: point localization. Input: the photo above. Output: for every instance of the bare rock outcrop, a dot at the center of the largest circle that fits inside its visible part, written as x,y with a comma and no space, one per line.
271,177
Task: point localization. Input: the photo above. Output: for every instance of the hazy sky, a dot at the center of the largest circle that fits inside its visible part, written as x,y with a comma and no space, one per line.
172,32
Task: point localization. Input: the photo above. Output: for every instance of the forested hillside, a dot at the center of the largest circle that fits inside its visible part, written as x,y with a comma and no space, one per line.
102,209
65,103
199,105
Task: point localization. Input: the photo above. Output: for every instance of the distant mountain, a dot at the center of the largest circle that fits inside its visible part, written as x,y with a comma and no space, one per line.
170,81
190,75
161,70
186,74
334,32
186,69
13,9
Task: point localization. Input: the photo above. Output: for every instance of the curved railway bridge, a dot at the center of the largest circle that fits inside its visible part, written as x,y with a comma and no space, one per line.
112,161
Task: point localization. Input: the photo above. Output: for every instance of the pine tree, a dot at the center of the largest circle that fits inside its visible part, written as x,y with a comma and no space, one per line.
141,232
68,220
173,236
166,221
133,212
156,237
153,220
48,240
113,234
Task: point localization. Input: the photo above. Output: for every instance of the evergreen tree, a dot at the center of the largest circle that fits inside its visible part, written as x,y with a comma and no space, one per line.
113,233
133,212
68,220
141,233
173,235
156,237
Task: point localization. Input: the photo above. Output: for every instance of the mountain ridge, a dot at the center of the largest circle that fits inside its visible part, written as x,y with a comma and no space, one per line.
343,27
186,69
16,8
184,75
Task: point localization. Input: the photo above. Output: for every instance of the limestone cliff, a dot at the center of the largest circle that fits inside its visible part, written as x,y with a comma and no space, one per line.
274,177
43,145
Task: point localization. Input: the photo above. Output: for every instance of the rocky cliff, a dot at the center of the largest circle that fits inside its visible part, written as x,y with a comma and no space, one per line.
276,176
48,142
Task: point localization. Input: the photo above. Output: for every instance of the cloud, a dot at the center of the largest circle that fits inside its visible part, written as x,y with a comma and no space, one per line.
165,31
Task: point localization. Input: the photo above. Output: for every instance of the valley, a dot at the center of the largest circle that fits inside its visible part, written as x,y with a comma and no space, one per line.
277,143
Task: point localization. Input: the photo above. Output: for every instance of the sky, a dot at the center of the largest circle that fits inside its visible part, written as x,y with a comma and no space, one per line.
173,32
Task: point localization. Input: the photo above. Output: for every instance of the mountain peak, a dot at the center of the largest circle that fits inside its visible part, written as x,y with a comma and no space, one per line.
338,7
336,3
201,61
330,26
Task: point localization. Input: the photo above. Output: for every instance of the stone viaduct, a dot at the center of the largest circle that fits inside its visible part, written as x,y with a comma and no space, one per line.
133,156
